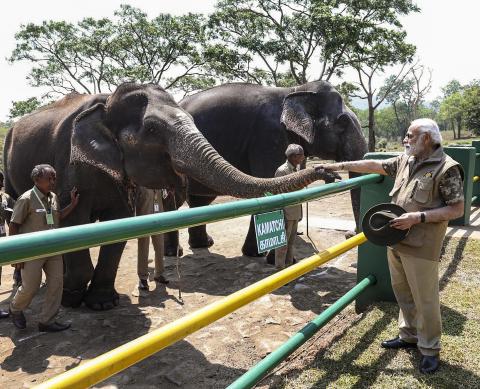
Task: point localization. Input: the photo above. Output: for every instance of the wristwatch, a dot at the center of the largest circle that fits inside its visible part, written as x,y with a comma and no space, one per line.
422,217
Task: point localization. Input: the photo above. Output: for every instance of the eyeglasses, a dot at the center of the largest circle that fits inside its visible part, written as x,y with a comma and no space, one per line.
409,135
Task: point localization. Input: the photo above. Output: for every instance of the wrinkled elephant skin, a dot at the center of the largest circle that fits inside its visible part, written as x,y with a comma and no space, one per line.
105,145
251,126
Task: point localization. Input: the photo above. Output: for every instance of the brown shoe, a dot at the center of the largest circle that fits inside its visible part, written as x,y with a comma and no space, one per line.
18,319
53,327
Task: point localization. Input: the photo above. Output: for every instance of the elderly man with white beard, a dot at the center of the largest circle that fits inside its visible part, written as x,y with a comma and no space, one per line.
428,185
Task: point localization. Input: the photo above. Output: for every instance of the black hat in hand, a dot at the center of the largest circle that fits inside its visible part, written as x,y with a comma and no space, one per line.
376,224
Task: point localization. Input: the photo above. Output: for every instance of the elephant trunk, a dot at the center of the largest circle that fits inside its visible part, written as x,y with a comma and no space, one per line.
193,155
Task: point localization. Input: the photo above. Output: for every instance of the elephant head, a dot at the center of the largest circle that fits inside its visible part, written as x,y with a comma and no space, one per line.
141,134
316,113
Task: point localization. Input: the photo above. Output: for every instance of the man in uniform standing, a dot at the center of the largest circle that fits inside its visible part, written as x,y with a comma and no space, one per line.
292,214
38,210
428,185
149,201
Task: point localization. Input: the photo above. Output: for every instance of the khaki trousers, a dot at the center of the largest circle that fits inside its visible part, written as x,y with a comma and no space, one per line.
284,254
143,250
31,279
146,208
415,284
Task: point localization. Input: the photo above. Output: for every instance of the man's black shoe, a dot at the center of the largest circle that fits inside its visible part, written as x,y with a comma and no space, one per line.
18,319
143,285
4,314
161,279
53,327
429,364
398,343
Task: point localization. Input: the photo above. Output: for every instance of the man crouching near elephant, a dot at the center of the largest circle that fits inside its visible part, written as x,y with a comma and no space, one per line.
37,210
428,185
284,255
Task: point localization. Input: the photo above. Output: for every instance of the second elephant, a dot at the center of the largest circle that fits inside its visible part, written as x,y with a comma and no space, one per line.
251,126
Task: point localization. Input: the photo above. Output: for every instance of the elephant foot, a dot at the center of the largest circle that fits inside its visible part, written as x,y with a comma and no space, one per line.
72,298
197,243
171,251
271,257
249,252
101,299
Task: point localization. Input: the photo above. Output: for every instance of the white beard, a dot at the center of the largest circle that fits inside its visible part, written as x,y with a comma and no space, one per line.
414,150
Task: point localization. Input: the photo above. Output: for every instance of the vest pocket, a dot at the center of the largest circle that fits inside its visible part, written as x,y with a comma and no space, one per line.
396,187
423,191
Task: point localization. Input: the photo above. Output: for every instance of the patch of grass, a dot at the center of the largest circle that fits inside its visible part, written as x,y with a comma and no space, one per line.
355,359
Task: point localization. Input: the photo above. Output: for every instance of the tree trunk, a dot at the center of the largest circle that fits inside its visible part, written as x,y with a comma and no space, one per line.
452,124
459,126
371,126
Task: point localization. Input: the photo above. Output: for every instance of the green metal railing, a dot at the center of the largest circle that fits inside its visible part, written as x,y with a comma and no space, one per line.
257,372
24,247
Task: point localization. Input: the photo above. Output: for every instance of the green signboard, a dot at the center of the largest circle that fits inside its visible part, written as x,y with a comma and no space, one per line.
270,230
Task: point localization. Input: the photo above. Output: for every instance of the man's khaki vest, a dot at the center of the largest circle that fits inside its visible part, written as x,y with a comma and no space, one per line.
419,191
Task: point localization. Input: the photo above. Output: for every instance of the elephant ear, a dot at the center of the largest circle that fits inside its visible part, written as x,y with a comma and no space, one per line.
93,143
296,114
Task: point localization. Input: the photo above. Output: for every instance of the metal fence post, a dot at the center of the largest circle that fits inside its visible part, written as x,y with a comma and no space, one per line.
476,185
372,259
465,156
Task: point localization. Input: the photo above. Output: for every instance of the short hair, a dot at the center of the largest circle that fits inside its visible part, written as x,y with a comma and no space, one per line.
40,171
429,126
293,149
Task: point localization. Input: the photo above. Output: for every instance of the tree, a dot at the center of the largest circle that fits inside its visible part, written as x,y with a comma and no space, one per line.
287,42
472,107
94,56
451,110
23,107
408,95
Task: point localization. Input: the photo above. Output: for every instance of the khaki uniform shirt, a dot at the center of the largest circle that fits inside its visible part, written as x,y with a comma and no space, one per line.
6,206
420,186
293,212
30,213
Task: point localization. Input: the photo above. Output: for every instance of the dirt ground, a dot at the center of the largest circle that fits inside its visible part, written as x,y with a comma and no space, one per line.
210,358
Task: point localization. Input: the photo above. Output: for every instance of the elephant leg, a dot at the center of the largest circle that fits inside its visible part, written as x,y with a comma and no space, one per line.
101,294
171,239
249,247
78,267
78,273
198,236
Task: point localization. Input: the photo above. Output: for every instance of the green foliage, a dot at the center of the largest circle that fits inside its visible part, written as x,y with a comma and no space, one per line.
94,56
270,42
23,107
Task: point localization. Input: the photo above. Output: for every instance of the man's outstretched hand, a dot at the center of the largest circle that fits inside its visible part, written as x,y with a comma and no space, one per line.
328,176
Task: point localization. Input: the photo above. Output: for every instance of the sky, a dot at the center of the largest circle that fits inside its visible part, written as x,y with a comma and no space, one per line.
444,32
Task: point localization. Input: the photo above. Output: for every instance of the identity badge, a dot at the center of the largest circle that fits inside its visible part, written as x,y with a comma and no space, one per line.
50,219
156,207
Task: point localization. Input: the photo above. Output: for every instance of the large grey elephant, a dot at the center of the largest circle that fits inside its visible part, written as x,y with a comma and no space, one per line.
251,126
104,145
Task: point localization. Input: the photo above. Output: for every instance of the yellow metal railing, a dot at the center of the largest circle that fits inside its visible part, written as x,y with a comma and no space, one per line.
114,361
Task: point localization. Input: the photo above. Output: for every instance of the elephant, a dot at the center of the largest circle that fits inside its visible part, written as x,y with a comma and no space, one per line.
107,144
251,125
